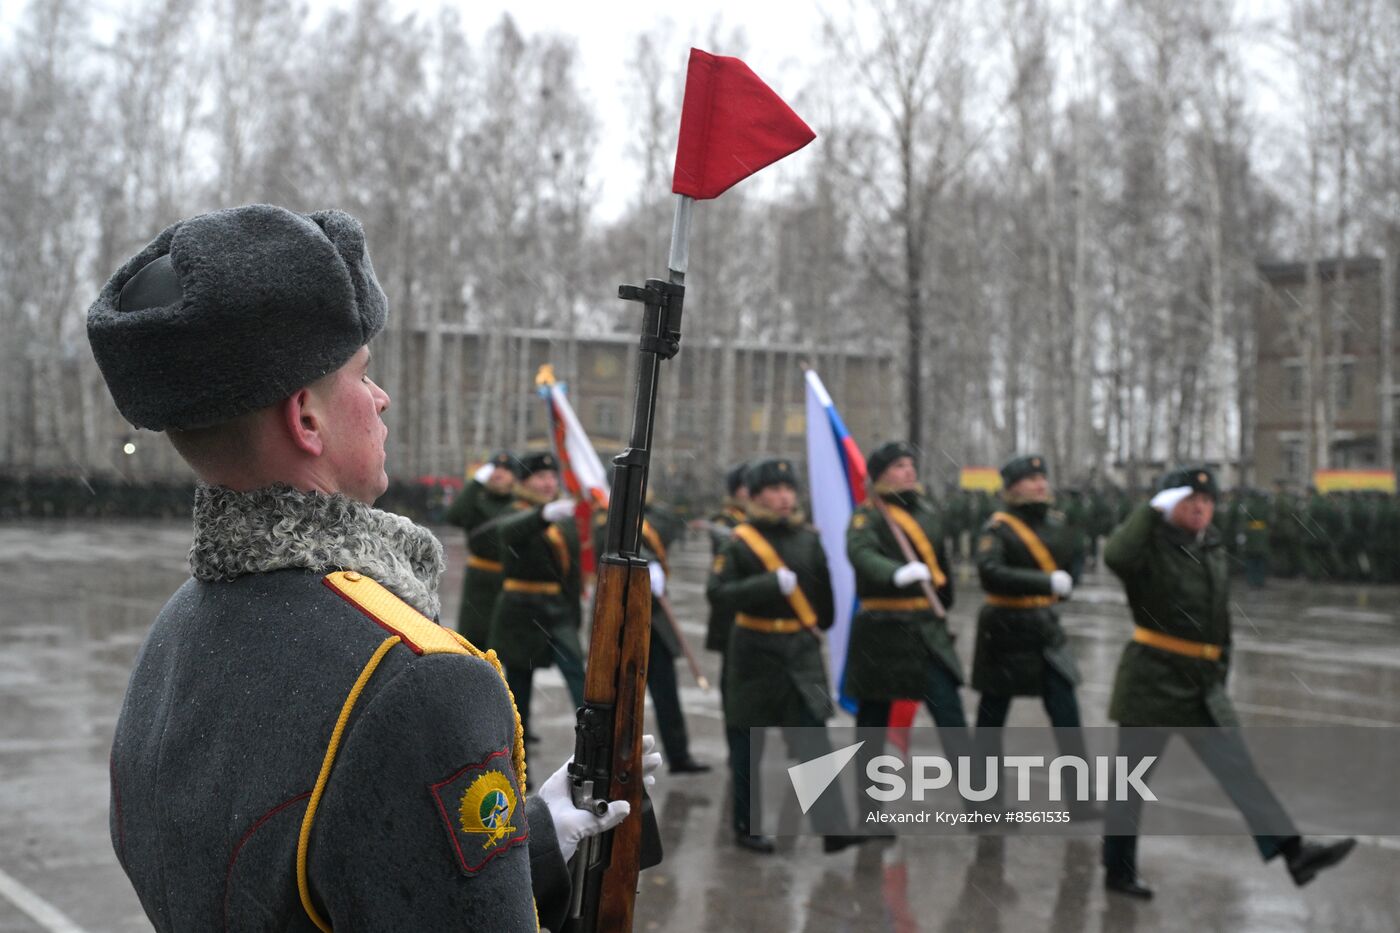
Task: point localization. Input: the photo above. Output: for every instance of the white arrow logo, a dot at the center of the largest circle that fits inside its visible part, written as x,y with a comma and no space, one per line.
811,778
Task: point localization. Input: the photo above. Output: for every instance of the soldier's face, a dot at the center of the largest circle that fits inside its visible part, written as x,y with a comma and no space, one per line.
1194,513
781,498
500,480
353,431
900,475
1033,488
544,483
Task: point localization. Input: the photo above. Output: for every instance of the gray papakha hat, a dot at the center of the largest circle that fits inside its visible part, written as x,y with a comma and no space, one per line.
231,311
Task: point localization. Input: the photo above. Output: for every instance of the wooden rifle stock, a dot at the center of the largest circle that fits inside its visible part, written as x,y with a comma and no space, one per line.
610,723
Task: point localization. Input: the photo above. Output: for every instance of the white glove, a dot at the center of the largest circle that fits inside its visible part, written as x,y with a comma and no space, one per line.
558,510
1061,583
658,578
787,580
912,572
1168,499
572,825
483,472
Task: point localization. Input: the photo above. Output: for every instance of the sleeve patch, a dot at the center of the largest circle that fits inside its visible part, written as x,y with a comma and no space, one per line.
482,811
858,520
718,565
985,543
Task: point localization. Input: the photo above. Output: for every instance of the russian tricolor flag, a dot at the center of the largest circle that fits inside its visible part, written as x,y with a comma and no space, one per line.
580,469
836,478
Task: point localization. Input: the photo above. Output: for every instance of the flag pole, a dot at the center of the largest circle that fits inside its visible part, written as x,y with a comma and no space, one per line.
680,239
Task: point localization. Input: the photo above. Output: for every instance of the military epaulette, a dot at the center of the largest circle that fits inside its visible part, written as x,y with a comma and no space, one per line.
419,633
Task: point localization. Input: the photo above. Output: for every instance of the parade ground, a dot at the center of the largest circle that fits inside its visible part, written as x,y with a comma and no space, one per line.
77,599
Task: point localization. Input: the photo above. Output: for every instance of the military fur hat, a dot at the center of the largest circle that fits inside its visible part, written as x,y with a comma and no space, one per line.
735,478
886,454
771,472
231,311
1199,478
537,462
505,460
1018,468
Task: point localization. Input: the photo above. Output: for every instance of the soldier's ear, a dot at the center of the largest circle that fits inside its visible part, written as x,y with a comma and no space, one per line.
303,423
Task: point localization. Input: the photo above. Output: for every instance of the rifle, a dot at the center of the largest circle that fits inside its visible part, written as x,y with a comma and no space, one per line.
608,737
664,604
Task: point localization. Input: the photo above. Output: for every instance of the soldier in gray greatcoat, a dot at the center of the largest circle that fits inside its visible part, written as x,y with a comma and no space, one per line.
301,745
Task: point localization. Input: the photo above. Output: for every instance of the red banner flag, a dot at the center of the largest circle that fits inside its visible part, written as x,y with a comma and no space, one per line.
732,125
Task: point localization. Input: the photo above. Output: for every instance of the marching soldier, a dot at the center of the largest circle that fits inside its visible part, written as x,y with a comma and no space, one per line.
537,618
773,575
721,527
1023,556
486,497
900,648
1172,674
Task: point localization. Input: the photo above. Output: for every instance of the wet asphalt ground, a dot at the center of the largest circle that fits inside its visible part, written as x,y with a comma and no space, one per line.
76,601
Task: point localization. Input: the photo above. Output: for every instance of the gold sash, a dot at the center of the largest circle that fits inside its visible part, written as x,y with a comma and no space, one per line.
772,562
1029,538
920,541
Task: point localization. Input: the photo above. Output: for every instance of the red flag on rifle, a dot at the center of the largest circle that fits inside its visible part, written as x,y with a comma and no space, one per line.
732,125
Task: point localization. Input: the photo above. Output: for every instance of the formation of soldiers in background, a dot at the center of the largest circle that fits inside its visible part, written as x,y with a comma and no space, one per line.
1345,537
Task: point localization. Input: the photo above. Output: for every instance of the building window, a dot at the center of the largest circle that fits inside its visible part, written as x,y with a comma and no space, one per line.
605,412
1293,461
1293,379
795,424
1344,382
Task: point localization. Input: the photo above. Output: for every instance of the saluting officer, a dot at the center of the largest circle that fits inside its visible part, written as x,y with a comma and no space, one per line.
1023,556
301,745
899,648
486,497
537,618
773,575
1172,674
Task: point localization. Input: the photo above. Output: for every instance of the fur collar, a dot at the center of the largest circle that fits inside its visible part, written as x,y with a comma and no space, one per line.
278,527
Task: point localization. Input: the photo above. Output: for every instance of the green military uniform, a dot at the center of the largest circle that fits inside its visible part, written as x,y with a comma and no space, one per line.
720,621
775,674
775,678
1177,586
1015,643
1285,536
1172,675
537,618
1385,542
1324,523
895,634
474,511
1253,535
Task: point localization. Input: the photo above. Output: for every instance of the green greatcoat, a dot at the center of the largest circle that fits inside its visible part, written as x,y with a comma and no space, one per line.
473,511
1015,645
774,679
1179,586
720,621
889,651
524,624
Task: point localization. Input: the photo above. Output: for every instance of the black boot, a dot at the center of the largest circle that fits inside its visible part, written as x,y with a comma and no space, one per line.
688,765
1306,859
832,844
1127,884
761,845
